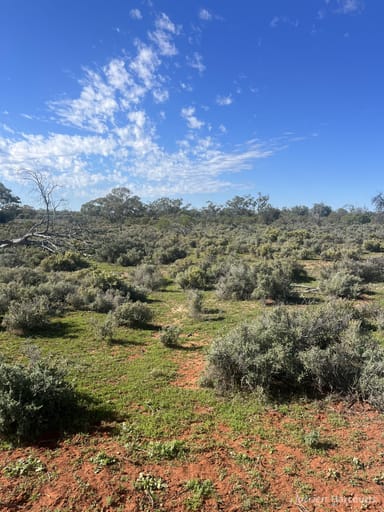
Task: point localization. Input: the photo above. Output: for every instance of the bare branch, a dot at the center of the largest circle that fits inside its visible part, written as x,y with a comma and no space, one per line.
45,233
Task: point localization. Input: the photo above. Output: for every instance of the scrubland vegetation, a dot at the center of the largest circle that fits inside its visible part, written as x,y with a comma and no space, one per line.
164,325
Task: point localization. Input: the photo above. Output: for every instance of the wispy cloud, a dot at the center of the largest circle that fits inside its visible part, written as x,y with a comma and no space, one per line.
162,36
350,6
115,140
224,101
283,20
135,14
188,113
342,7
205,15
196,62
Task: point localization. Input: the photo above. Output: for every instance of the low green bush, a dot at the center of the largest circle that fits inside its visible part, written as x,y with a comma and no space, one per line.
68,262
132,257
27,315
237,282
372,246
133,314
169,335
105,330
168,255
193,277
34,399
341,284
195,303
148,277
324,350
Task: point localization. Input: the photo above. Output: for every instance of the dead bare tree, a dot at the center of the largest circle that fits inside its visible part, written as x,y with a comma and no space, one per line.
45,233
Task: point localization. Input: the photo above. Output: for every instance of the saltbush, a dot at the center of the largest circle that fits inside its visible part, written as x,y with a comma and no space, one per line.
195,303
169,335
237,283
67,262
133,314
266,280
34,399
27,315
341,284
319,351
193,277
148,277
169,255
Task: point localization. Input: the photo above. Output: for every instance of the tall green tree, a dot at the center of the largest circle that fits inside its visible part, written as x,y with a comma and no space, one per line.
9,204
116,206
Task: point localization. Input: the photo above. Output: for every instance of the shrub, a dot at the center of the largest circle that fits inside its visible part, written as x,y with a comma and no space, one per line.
103,302
193,277
11,292
26,315
34,399
57,292
105,330
341,284
169,336
274,280
237,283
105,281
267,280
131,257
133,314
372,246
23,276
148,277
255,355
320,351
169,255
67,262
195,303
369,271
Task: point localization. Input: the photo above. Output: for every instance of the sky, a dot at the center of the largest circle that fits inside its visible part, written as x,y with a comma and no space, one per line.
200,100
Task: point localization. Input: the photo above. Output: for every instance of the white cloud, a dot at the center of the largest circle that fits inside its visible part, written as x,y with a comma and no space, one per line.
188,113
350,6
205,15
224,101
196,62
186,87
115,141
145,64
274,22
343,7
165,24
7,128
162,36
135,14
160,95
279,20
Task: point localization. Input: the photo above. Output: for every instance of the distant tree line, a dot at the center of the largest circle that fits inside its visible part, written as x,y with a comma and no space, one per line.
120,205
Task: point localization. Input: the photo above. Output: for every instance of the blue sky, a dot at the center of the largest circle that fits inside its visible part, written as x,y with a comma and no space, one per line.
199,100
